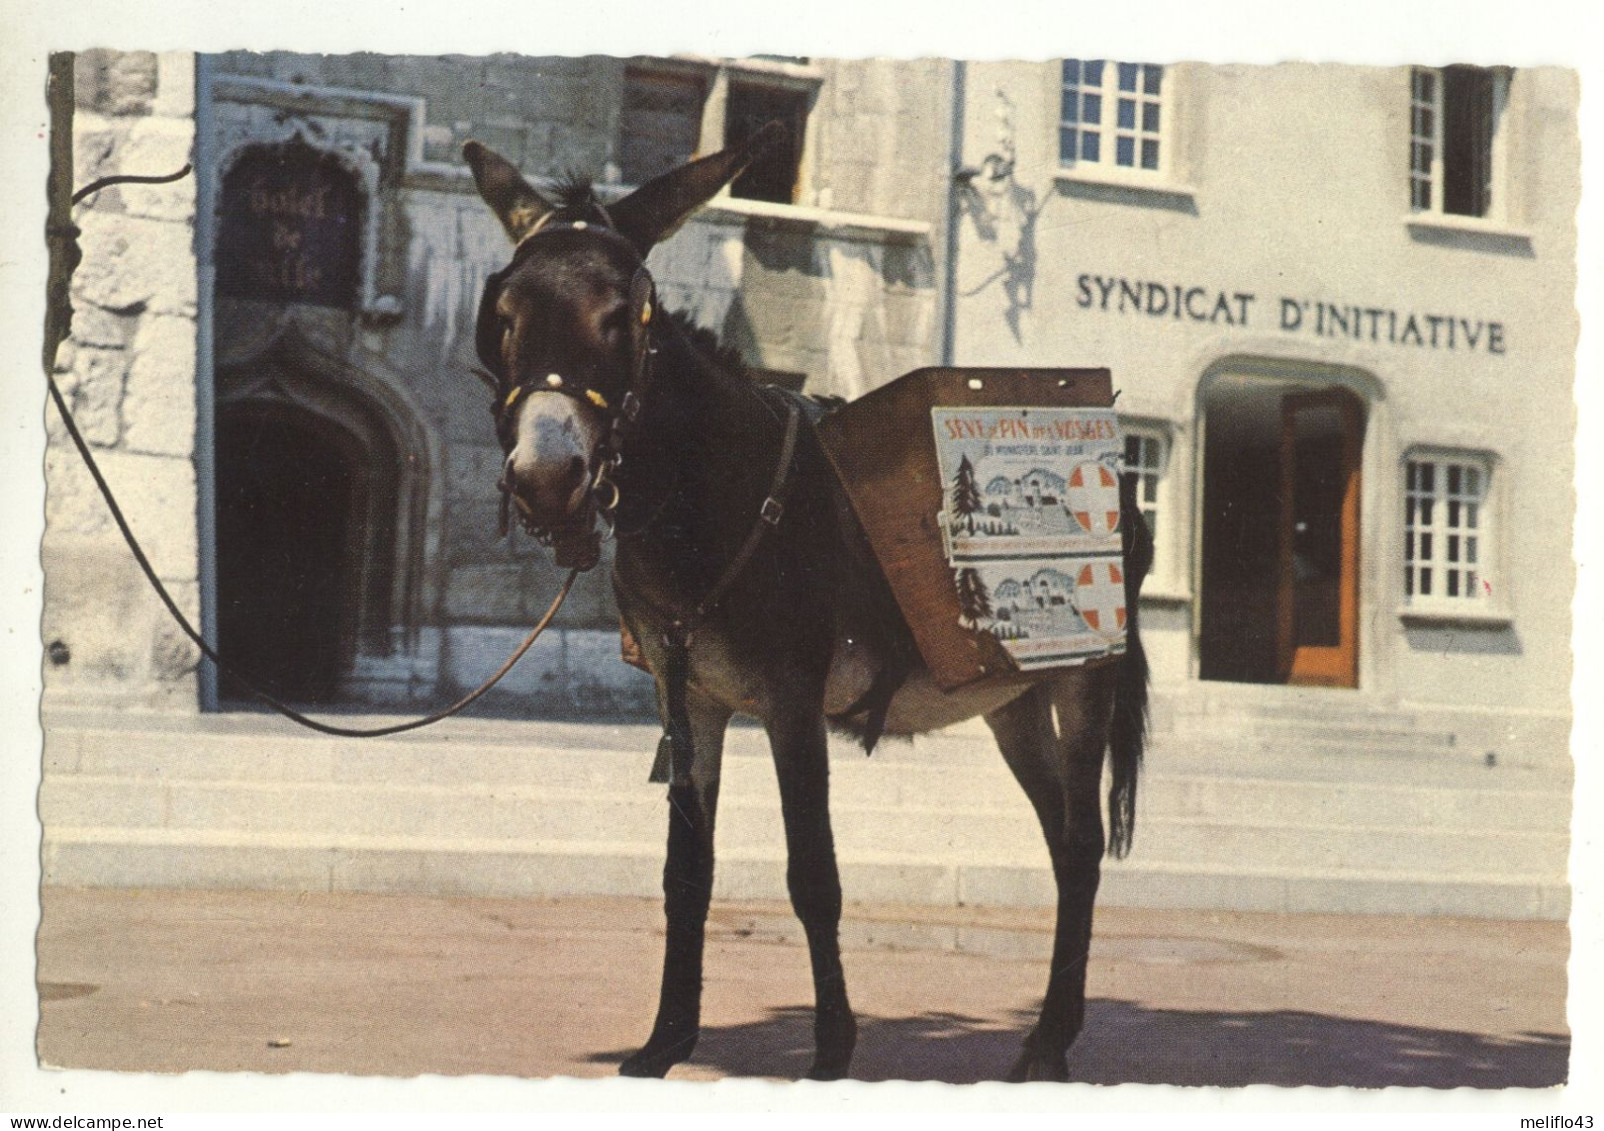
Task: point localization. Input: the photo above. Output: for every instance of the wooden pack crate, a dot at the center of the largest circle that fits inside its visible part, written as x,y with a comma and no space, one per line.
884,450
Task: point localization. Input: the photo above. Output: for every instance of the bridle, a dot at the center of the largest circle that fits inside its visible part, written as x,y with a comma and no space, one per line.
576,542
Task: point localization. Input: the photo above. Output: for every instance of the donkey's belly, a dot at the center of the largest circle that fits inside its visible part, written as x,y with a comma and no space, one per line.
919,705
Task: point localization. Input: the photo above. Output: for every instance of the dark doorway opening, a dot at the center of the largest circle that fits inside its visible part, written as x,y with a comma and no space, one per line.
290,491
1280,534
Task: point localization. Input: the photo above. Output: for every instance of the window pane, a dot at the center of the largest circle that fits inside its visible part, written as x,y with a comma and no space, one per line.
1428,478
1453,512
1453,479
1127,114
1470,550
1453,547
1133,451
1127,76
1425,583
1409,581
1467,140
1409,545
1425,512
1425,546
1149,154
747,109
1089,148
1071,71
1066,146
1411,474
1409,510
1066,110
1472,481
1470,515
1091,73
1453,583
1152,79
1149,488
1091,109
1125,151
1150,117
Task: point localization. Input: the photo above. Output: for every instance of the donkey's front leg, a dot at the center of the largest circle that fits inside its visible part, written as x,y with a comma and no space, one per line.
801,758
687,888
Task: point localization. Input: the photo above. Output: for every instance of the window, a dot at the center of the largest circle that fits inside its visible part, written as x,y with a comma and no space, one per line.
749,108
1144,458
1446,537
1110,116
1454,148
676,108
661,122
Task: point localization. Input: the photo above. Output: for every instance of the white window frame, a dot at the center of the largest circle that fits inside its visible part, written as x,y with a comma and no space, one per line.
1105,165
1427,170
1158,476
1450,532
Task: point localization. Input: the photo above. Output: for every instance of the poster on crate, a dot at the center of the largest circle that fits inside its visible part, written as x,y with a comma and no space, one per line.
1031,528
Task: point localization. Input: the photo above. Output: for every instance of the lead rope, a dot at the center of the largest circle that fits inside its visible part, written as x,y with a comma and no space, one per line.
263,696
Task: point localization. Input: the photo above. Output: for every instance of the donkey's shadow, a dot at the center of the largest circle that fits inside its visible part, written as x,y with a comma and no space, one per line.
1127,1043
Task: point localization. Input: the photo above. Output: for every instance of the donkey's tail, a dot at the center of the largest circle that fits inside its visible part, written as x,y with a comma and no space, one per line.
1127,735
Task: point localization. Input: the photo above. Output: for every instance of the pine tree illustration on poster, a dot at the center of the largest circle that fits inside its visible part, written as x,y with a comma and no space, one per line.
965,495
973,600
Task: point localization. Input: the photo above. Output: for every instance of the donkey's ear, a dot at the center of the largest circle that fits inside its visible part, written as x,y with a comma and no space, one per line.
518,206
655,211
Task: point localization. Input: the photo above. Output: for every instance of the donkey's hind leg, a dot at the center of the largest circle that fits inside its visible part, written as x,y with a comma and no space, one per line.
801,759
687,889
1060,769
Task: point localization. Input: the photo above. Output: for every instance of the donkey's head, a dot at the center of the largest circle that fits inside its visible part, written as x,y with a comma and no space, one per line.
564,332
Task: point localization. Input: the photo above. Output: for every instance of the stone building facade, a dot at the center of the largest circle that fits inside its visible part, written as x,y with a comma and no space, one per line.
356,414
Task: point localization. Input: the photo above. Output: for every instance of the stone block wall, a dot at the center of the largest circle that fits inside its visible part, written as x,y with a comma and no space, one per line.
128,371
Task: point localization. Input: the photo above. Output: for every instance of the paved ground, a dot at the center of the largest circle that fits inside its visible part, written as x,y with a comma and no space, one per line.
388,985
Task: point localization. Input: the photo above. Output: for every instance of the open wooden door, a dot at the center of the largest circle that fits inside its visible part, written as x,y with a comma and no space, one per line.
1322,435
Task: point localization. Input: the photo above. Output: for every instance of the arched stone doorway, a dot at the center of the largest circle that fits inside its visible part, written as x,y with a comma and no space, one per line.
322,501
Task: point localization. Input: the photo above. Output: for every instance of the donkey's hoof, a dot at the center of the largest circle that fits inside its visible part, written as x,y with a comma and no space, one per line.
830,1067
645,1067
1034,1066
654,1061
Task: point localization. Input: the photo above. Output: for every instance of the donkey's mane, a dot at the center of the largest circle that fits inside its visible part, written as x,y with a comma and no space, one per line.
707,343
573,192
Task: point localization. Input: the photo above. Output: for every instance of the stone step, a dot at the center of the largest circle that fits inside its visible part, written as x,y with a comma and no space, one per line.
78,857
595,778
1246,783
749,819
537,808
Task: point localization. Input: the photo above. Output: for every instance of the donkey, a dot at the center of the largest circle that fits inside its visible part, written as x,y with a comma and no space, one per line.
743,574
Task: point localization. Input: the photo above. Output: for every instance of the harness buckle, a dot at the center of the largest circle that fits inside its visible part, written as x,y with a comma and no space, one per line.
773,510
